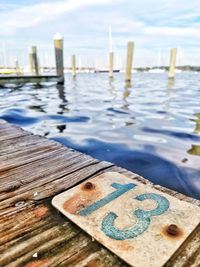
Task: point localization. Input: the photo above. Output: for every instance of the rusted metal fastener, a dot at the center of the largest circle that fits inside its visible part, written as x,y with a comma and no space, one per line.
172,229
88,185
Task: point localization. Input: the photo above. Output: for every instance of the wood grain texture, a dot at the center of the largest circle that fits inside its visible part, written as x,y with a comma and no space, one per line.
32,232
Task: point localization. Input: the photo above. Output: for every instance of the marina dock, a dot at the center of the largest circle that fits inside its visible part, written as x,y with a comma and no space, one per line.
33,233
29,79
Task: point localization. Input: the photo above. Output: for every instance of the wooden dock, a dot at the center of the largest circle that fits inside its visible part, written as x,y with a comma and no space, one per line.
33,233
21,79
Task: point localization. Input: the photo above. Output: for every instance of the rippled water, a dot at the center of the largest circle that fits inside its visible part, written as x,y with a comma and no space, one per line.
152,128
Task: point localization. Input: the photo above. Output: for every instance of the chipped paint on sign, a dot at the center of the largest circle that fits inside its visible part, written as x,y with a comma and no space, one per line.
141,225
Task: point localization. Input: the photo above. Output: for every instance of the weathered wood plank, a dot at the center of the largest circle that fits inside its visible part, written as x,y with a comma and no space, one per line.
189,253
10,146
44,188
8,132
41,229
31,173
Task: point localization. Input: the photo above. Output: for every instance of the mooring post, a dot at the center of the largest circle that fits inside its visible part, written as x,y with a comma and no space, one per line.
111,63
111,54
129,61
58,45
73,65
31,62
17,68
35,60
172,66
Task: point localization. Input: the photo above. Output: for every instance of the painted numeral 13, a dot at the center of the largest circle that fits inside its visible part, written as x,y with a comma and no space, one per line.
143,217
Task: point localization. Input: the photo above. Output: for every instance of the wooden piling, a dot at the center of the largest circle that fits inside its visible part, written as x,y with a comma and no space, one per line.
111,54
31,62
58,45
172,66
111,63
73,65
35,60
129,62
17,68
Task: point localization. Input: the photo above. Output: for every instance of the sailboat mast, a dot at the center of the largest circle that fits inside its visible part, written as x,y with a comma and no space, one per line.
159,58
110,40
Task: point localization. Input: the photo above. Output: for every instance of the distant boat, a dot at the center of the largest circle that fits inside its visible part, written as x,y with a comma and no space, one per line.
133,71
156,70
6,71
106,70
178,71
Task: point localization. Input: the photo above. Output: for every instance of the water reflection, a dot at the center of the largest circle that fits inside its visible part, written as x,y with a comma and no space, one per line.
126,93
39,108
61,128
112,89
194,150
111,79
126,104
128,84
197,128
61,94
73,83
171,84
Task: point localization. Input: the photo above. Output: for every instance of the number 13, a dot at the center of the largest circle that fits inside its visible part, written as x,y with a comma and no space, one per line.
143,217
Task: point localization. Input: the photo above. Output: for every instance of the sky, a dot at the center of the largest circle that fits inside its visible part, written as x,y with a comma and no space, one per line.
153,25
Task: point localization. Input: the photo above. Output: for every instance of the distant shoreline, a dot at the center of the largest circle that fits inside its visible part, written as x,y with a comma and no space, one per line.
154,69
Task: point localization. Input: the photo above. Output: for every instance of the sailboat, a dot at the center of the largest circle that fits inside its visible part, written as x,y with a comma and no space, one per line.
110,50
157,69
179,57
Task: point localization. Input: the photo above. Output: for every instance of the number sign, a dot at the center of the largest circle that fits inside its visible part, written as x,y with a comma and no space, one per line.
134,221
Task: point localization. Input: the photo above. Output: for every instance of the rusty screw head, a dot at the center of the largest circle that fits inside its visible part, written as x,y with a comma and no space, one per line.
88,185
172,229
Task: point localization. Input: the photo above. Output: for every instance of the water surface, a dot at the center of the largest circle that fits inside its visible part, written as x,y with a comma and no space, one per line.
151,127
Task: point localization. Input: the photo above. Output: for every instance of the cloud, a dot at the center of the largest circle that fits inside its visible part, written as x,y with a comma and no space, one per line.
36,14
173,31
84,25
